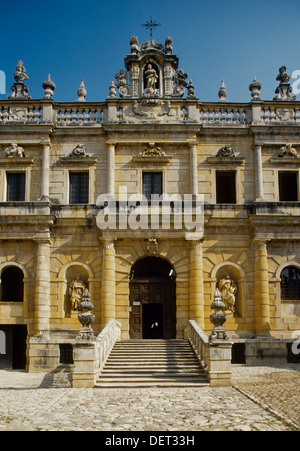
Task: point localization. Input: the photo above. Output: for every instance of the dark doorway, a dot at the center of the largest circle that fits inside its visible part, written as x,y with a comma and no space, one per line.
152,300
153,318
13,354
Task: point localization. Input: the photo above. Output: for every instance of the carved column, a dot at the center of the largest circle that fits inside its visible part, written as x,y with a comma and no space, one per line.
42,288
111,169
261,288
45,169
108,286
196,283
193,167
259,187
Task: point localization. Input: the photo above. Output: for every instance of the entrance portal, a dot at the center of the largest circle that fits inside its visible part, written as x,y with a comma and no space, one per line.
152,300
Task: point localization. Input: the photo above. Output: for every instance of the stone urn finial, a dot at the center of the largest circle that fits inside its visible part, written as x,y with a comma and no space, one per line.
86,318
218,318
49,88
255,88
81,92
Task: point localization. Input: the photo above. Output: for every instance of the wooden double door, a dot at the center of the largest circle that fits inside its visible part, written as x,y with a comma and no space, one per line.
153,308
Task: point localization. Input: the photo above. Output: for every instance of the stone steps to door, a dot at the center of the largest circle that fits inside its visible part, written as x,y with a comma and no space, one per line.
152,363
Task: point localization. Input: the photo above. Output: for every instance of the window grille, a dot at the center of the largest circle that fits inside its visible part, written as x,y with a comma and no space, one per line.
79,187
15,186
290,283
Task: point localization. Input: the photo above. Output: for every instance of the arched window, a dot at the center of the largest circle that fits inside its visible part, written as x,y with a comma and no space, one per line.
12,285
290,283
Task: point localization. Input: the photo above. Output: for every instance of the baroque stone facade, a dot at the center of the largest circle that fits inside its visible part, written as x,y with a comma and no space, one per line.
150,136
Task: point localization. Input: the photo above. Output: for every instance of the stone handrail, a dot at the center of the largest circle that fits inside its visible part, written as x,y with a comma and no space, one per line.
214,355
106,340
199,340
91,355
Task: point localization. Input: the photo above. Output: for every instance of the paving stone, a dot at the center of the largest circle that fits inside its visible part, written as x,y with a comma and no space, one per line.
27,405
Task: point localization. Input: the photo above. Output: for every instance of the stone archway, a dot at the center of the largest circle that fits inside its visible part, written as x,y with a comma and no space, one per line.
152,299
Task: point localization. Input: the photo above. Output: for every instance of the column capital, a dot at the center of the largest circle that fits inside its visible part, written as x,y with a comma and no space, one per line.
261,242
46,142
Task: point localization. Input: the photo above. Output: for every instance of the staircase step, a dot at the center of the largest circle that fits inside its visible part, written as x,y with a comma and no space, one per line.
152,363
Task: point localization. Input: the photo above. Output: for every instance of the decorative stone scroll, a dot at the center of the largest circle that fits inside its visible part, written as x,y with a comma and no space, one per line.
288,151
226,151
14,151
79,151
152,246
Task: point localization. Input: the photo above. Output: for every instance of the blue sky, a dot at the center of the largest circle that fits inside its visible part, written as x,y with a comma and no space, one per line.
231,40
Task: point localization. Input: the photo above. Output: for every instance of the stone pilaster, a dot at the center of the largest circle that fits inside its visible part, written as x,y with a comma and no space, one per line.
111,169
42,288
261,288
193,167
259,187
45,169
196,283
108,286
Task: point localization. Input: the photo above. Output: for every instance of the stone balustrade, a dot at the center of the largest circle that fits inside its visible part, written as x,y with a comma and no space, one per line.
90,356
214,355
98,113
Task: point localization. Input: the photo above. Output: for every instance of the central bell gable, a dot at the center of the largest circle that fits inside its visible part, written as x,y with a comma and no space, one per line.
151,71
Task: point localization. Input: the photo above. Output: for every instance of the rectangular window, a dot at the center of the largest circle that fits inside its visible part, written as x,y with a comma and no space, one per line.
79,187
15,186
152,184
226,187
288,186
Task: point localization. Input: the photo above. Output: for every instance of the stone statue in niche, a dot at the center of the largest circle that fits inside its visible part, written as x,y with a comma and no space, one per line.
152,78
14,151
76,290
288,151
228,288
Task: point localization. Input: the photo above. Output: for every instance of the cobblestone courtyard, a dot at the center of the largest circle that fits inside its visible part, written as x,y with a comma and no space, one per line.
262,399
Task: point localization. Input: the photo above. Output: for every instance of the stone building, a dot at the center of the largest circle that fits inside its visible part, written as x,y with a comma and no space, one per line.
151,136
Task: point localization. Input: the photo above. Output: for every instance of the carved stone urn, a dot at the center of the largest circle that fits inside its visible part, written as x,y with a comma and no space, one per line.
86,318
218,318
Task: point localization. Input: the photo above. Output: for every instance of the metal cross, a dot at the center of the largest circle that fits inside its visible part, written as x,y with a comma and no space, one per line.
151,25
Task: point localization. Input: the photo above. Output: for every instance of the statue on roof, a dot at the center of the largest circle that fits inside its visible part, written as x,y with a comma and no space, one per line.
19,89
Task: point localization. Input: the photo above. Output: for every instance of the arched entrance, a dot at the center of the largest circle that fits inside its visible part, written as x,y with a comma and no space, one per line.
152,299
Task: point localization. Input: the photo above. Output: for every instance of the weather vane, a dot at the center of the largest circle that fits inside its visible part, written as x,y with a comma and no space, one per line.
151,25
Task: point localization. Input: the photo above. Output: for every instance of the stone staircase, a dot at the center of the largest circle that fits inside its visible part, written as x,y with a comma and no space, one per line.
152,363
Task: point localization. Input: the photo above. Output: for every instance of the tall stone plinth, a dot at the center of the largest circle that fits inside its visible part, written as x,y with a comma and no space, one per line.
85,364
